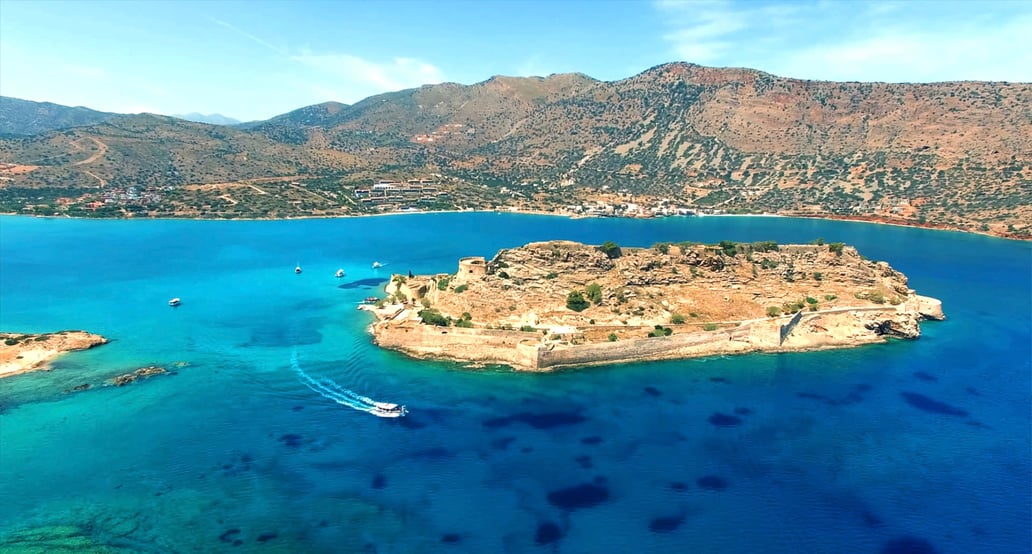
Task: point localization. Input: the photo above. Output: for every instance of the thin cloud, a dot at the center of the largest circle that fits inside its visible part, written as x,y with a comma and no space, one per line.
347,77
247,35
879,41
922,57
355,77
701,29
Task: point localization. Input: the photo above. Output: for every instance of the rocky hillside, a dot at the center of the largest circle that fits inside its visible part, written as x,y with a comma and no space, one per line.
642,287
955,154
25,117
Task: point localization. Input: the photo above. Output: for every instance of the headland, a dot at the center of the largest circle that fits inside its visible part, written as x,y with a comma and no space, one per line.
555,304
21,353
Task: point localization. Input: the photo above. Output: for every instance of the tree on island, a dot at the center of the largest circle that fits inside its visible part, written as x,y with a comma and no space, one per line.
610,249
576,302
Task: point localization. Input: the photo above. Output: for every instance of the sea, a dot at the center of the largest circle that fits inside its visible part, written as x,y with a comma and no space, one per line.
259,438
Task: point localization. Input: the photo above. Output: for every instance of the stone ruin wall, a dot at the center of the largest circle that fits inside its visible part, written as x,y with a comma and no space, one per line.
503,346
628,350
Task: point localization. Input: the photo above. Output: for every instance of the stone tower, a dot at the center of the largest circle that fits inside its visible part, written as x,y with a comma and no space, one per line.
473,267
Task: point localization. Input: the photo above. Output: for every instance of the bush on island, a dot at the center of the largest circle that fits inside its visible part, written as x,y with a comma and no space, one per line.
576,302
610,249
434,317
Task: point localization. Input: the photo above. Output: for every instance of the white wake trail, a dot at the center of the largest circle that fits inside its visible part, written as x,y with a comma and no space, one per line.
331,390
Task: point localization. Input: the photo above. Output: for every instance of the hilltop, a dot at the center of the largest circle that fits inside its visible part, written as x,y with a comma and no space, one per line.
955,154
25,117
559,303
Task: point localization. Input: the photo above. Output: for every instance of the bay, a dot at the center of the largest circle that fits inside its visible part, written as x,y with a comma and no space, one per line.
838,451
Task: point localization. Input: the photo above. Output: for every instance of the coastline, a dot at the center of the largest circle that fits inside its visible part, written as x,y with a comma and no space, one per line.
841,328
874,220
646,304
26,352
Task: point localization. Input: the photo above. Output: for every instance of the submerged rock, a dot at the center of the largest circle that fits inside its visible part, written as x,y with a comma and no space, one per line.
547,533
580,496
141,373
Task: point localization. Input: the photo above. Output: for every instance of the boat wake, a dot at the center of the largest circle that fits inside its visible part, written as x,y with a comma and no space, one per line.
331,390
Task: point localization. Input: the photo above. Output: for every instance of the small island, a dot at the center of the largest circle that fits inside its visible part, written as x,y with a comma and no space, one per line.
21,353
557,304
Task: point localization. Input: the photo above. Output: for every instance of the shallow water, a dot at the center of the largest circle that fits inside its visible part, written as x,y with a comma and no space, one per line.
882,448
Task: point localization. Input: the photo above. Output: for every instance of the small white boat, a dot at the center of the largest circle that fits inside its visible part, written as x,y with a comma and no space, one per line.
340,273
377,264
175,302
387,409
297,269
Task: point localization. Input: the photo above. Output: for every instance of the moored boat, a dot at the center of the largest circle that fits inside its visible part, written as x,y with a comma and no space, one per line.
372,299
175,302
297,269
340,273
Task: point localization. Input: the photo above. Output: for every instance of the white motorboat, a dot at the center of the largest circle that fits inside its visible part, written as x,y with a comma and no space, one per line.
297,269
340,273
387,409
377,264
175,302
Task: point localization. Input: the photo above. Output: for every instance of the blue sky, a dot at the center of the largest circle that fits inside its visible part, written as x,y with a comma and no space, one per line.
253,60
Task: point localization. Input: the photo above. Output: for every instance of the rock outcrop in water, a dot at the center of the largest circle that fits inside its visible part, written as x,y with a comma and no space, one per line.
20,352
142,373
559,303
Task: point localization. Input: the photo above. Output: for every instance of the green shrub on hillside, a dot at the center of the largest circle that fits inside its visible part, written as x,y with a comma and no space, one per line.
434,317
610,249
576,302
729,248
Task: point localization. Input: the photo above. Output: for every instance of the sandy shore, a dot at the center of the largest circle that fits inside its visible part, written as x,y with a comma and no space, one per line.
21,352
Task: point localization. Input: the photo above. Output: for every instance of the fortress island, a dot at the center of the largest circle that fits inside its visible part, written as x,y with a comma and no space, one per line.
555,304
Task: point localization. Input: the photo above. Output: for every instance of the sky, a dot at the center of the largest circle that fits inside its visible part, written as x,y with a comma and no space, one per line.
253,60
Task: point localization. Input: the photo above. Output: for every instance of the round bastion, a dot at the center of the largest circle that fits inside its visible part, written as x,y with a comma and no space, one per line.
472,267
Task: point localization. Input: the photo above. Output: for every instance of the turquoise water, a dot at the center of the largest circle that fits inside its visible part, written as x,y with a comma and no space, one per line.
888,448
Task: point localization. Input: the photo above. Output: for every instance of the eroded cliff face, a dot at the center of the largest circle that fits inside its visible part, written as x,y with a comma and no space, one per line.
672,300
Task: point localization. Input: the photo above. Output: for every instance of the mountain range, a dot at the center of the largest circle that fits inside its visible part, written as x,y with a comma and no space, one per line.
214,119
955,154
25,117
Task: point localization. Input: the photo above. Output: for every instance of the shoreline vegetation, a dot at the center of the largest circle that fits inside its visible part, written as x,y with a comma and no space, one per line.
874,220
25,352
558,304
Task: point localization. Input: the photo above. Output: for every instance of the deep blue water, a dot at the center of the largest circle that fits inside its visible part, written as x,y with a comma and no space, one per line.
887,448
